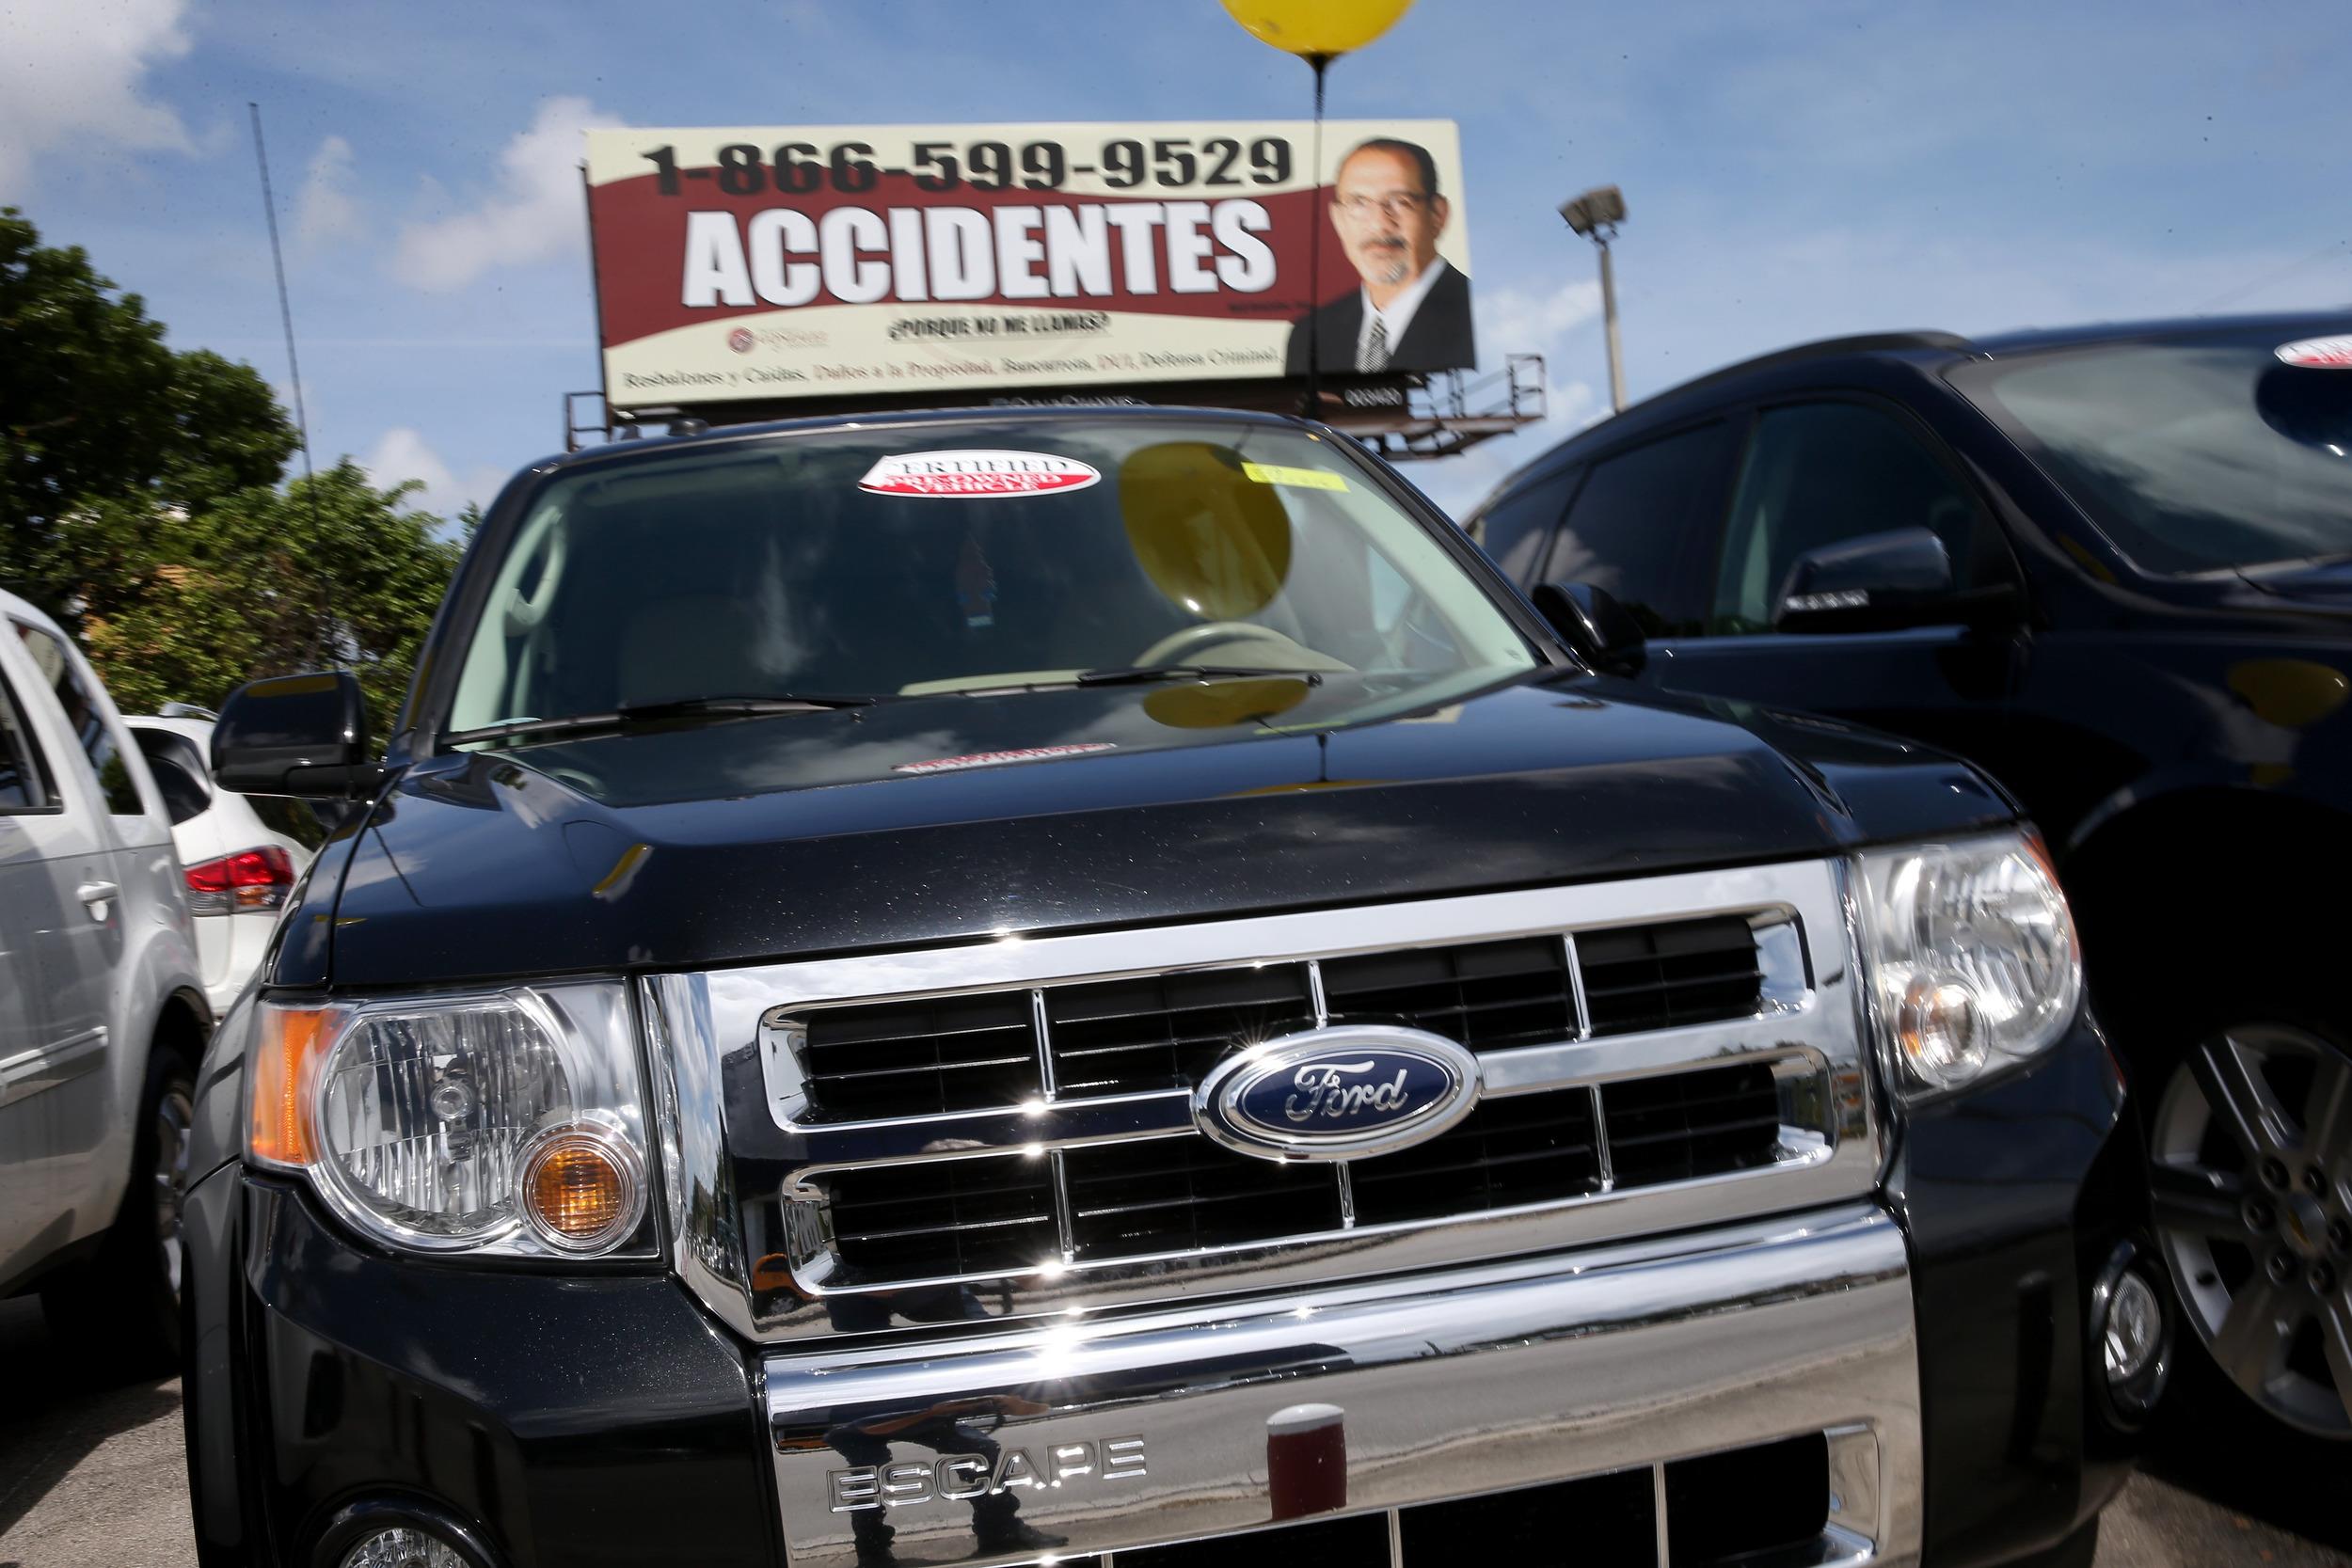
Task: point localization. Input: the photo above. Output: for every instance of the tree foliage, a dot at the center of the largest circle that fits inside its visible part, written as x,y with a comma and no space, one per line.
140,505
328,572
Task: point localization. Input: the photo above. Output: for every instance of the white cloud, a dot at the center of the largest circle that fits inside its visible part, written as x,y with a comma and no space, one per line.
71,78
403,455
324,209
532,211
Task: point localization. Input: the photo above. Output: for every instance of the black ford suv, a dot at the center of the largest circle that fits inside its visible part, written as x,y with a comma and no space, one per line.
2113,567
1050,986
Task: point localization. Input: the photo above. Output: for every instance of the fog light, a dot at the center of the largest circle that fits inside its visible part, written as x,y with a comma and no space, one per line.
2131,1331
581,1189
2135,1328
1936,1028
403,1546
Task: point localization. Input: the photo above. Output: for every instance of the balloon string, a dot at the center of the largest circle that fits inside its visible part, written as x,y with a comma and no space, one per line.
1314,250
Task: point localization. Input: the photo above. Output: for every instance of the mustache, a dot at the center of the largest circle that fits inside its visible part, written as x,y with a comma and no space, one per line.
1384,242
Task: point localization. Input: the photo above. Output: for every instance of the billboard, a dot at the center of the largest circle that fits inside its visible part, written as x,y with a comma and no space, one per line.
773,264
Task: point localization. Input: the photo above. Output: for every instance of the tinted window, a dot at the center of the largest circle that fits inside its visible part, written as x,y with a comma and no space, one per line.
1822,473
1516,529
2192,456
171,761
1643,525
19,770
88,724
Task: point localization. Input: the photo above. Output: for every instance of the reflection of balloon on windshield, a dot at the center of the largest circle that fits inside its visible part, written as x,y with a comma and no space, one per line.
2310,406
1215,705
1213,540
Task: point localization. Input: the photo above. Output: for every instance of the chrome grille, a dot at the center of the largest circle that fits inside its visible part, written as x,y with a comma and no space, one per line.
1158,1032
1187,1195
1692,1124
1718,1075
1166,1031
1149,1196
912,1059
1668,976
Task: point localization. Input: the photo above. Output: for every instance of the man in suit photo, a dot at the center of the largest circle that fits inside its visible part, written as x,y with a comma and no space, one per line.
1412,312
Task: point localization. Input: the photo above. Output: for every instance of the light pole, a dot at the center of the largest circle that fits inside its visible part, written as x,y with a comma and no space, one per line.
1595,215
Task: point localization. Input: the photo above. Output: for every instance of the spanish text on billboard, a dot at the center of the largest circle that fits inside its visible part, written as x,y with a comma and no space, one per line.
830,261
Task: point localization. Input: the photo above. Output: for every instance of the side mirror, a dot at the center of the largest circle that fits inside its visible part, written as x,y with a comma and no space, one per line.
295,735
1597,628
1902,578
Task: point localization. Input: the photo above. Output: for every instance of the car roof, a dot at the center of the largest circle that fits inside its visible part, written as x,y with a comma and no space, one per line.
914,418
1929,348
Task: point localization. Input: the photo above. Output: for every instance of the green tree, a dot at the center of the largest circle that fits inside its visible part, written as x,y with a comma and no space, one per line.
94,408
328,572
139,504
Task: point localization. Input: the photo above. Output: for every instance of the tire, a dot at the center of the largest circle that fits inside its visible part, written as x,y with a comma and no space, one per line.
2245,1097
125,1302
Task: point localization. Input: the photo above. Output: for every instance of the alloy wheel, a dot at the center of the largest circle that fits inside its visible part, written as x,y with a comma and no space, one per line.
2250,1189
175,1115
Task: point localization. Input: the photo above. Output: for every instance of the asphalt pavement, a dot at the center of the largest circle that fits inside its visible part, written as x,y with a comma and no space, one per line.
91,1476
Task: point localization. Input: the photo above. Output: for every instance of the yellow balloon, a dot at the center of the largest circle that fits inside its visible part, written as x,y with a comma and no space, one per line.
1312,27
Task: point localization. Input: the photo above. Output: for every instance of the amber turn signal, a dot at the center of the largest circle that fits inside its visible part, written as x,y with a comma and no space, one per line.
581,1189
292,1041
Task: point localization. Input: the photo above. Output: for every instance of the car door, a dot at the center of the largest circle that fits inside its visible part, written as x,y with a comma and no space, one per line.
96,850
50,1062
1821,470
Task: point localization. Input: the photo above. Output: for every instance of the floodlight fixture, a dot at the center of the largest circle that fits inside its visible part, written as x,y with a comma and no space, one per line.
1600,208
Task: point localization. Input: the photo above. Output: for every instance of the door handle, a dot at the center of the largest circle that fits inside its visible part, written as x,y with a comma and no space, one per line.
94,896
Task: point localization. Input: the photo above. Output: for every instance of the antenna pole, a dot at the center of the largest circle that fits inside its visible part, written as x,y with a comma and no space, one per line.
1315,221
294,367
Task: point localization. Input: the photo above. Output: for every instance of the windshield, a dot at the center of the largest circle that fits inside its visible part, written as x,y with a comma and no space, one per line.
2194,455
937,560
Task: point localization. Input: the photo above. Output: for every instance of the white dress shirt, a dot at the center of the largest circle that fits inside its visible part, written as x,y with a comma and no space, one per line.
1399,315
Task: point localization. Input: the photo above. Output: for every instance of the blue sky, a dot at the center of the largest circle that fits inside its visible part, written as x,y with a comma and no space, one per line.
1793,168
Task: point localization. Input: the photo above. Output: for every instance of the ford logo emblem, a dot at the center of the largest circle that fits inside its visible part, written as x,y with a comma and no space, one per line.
1338,1093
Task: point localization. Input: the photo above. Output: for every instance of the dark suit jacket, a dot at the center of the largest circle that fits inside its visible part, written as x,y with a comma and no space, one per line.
1436,339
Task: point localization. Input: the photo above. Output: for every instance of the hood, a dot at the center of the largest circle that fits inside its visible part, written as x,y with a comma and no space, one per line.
801,834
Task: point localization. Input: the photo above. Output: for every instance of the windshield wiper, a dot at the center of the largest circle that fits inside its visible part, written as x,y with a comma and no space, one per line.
631,715
1145,674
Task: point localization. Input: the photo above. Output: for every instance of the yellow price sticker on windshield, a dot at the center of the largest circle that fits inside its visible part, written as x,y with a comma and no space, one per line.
1304,479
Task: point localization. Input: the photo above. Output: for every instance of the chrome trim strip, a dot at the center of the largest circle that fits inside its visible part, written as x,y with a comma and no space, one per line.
1449,1385
46,1067
1044,1029
1576,987
1065,1217
1600,1141
1832,1143
1314,993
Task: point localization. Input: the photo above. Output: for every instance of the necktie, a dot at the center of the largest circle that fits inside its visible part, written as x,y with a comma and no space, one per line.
1373,356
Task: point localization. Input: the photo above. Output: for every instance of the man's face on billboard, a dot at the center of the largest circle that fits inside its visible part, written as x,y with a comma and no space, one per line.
1387,220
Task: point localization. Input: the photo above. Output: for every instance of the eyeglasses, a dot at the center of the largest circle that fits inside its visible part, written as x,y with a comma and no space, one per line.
1395,204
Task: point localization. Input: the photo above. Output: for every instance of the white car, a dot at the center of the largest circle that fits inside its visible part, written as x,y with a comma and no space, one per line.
103,1012
240,854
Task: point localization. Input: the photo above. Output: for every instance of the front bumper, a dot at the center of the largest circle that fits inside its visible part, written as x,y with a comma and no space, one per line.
1928,1345
1182,1426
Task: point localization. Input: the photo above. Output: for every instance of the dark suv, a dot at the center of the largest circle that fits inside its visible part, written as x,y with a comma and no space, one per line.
2113,567
1039,985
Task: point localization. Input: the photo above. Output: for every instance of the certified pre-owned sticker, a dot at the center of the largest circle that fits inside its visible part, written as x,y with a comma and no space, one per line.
2319,354
968,475
995,759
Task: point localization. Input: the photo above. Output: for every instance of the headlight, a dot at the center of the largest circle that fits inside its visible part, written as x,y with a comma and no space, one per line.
1972,957
507,1122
